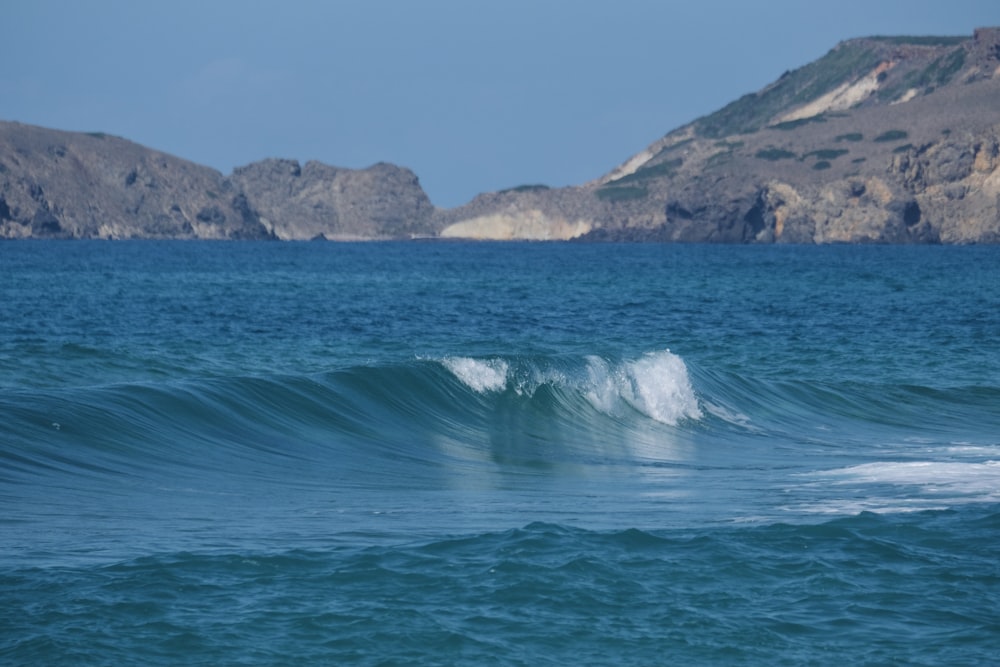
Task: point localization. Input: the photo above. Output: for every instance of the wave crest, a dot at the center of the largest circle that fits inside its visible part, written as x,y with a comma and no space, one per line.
656,385
478,374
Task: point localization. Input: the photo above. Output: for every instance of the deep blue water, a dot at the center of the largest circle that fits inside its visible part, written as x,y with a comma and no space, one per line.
498,454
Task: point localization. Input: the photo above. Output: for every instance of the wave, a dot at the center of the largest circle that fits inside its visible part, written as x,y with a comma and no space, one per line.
791,404
509,413
426,412
655,385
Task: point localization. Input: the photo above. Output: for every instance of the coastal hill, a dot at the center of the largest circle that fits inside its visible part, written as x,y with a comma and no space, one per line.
883,139
57,184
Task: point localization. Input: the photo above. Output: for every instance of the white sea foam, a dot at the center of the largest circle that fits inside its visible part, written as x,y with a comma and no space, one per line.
979,479
657,385
937,485
480,375
969,449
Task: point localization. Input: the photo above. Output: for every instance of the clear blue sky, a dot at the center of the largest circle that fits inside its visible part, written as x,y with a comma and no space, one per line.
473,96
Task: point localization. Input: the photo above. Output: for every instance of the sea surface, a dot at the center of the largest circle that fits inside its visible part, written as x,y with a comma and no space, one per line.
498,454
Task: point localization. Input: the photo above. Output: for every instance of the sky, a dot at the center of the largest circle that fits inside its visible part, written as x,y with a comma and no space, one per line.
472,96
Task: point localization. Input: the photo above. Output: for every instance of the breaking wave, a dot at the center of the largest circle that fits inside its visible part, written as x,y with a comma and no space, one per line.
426,420
656,385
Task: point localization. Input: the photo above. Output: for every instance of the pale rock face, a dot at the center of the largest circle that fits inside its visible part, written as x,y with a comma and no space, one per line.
842,97
530,225
907,96
783,200
852,211
642,158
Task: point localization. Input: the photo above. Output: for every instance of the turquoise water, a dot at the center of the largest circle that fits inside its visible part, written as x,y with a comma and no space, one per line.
498,454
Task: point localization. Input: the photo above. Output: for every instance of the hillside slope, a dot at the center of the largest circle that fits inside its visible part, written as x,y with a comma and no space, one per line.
882,140
75,185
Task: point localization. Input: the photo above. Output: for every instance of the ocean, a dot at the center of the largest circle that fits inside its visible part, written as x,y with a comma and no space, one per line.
431,453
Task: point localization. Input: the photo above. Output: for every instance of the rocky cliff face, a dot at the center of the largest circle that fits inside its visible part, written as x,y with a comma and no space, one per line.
883,140
317,201
74,185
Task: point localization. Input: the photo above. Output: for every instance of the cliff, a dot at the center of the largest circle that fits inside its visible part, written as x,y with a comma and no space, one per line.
57,184
75,185
317,201
884,140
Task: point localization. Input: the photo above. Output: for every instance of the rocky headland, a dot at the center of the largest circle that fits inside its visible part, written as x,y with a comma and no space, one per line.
883,140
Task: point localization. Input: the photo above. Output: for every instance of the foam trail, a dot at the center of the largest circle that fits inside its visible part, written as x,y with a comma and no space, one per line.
930,485
980,480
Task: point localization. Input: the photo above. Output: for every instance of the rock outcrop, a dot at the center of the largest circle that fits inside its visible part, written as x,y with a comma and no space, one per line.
317,201
74,185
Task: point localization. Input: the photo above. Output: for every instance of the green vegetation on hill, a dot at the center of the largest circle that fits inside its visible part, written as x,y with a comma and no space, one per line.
943,69
892,135
651,171
826,153
725,155
937,74
533,187
799,122
751,112
673,147
773,154
921,40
